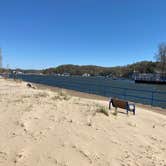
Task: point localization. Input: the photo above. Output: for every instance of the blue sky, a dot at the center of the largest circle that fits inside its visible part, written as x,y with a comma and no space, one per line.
46,33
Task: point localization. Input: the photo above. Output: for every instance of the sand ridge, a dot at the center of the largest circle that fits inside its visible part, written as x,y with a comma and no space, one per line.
42,127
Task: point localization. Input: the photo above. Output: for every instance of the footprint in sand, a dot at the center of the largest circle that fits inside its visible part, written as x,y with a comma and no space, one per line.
3,155
83,153
20,156
52,118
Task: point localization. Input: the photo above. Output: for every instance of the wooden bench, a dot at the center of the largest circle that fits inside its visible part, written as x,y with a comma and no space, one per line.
117,103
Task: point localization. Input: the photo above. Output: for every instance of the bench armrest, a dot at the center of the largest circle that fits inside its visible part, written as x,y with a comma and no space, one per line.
131,107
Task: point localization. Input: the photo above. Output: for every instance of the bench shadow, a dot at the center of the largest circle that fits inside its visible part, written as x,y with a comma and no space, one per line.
121,112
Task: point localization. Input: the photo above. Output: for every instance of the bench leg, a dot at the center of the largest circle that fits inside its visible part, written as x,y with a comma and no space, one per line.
134,112
131,109
116,110
109,104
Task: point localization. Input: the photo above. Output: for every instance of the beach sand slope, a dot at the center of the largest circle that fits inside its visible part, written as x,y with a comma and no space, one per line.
47,128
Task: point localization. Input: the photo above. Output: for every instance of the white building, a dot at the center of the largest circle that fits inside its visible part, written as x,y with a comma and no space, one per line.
86,75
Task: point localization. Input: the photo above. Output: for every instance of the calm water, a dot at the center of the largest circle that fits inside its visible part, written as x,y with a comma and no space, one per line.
125,89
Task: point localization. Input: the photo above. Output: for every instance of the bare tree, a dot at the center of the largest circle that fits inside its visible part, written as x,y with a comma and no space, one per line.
161,58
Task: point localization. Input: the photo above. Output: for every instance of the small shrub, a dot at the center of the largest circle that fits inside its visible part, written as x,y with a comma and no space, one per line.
62,95
41,94
56,97
66,97
103,110
115,113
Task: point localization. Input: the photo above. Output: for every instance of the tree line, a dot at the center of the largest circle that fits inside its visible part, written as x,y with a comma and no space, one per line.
119,71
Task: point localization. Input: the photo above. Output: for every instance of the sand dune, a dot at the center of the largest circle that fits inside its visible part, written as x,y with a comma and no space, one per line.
46,128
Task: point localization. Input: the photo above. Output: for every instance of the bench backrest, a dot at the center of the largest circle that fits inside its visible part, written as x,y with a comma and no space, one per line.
119,103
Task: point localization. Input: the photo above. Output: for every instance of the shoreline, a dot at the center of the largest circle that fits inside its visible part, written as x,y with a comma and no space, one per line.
75,93
97,97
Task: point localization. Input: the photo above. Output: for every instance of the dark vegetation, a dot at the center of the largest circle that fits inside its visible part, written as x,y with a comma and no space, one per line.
119,71
29,71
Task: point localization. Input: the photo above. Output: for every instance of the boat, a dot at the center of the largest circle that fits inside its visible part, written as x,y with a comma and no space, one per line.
149,78
150,81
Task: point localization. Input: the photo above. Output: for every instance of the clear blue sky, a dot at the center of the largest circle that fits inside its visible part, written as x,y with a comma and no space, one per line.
46,33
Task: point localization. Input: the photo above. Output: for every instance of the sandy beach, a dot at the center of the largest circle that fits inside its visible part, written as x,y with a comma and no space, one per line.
41,127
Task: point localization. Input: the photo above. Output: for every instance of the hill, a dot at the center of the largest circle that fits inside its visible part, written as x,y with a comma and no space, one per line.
119,71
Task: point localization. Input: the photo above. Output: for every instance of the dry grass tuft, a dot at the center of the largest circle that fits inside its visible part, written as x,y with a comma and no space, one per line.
103,109
41,94
62,95
115,113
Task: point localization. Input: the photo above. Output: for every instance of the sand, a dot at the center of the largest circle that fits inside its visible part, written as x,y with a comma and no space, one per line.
40,127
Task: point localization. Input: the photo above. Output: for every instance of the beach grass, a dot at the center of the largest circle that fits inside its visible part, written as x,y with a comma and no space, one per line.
103,109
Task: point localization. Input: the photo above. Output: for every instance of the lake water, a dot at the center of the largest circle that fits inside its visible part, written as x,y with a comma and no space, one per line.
125,89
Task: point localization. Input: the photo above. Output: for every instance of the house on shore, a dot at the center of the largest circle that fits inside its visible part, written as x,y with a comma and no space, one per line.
86,75
66,74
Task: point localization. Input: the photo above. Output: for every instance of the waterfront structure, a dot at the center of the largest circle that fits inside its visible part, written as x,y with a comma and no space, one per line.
149,78
66,74
86,75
